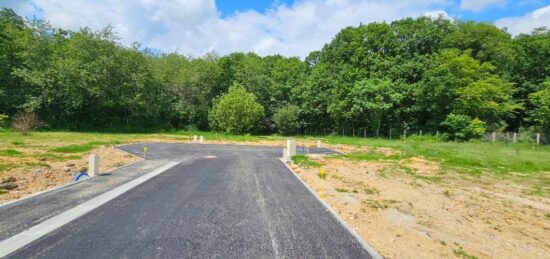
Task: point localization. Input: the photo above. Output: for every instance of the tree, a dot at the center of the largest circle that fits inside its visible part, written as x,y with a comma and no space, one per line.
236,112
490,99
462,127
287,119
540,100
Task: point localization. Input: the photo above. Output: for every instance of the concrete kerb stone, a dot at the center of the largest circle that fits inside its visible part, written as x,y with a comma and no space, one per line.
359,239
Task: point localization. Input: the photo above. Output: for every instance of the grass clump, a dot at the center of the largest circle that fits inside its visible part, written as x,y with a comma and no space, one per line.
462,254
304,161
10,153
82,147
341,190
367,156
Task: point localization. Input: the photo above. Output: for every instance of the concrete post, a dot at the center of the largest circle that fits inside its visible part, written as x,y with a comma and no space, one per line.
201,139
494,137
515,137
318,143
286,158
538,138
404,133
93,165
291,147
194,138
421,133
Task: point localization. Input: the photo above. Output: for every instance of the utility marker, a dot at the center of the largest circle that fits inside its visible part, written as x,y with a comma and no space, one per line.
194,138
291,147
201,139
318,143
93,165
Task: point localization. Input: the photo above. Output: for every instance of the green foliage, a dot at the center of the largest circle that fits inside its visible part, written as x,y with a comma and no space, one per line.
287,119
540,100
3,119
10,152
81,148
410,73
305,161
462,127
236,112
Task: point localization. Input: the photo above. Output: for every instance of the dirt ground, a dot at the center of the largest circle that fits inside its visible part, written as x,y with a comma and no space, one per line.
49,174
412,209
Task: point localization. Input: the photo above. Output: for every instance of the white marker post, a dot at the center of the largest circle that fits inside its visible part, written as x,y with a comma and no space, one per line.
194,138
515,137
93,165
318,143
291,148
201,139
538,138
494,137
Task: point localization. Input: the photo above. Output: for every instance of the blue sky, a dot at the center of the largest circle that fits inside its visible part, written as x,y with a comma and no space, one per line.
287,27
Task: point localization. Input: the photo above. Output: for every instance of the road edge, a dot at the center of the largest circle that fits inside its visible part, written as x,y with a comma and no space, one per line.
20,240
352,231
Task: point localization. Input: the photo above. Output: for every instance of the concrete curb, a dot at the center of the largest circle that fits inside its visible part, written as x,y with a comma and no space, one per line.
359,239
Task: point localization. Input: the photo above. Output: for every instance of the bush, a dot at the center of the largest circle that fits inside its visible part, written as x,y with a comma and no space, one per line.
236,112
462,127
26,121
287,119
3,119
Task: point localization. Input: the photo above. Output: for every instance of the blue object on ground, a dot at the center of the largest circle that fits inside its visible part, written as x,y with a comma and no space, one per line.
80,175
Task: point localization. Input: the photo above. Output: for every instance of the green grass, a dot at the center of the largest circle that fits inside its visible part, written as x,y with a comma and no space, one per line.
341,190
10,153
472,157
367,156
462,254
5,167
82,147
304,161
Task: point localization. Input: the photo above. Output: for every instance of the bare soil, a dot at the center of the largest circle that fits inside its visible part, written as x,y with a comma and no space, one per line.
46,174
412,209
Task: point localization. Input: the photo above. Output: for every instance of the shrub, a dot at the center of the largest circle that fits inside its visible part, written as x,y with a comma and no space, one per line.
287,119
236,112
3,119
462,127
26,121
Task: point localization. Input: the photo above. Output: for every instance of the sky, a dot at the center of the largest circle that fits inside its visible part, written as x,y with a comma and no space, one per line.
286,27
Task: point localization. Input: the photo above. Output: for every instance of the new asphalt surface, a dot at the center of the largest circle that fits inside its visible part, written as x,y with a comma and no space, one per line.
222,201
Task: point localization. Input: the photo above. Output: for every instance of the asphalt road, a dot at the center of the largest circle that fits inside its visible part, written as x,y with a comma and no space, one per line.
227,202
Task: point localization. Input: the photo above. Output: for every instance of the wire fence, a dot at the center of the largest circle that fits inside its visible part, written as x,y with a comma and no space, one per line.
362,132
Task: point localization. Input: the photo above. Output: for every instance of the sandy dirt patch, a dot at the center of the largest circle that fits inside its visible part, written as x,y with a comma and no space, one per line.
46,175
410,209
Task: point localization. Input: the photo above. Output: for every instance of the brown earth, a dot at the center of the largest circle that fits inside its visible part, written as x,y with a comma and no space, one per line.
411,209
41,174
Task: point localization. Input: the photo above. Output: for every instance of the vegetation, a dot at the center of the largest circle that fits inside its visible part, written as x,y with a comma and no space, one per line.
236,112
287,119
409,74
303,160
26,121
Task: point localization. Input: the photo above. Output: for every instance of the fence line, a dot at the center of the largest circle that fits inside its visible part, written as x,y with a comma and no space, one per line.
364,132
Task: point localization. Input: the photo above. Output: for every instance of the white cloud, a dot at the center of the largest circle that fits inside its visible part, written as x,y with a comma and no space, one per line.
478,5
526,23
438,13
196,27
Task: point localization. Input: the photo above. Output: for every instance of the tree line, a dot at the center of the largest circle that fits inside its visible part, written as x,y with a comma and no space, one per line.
460,77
